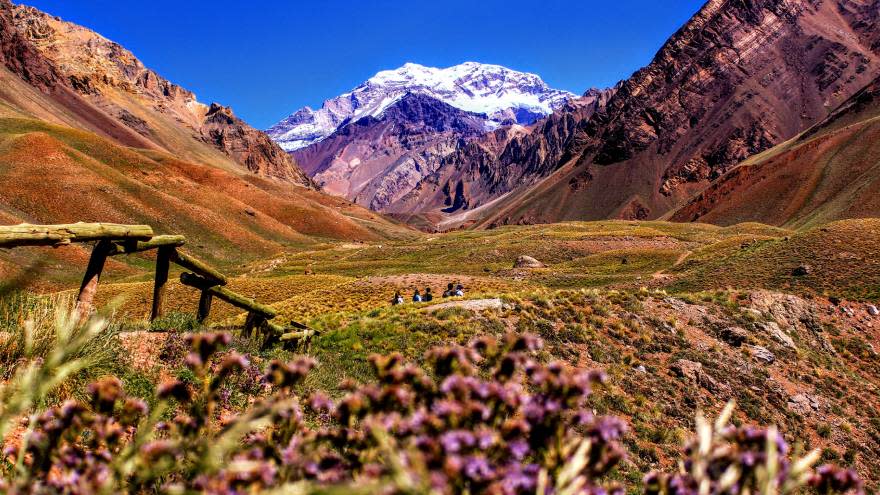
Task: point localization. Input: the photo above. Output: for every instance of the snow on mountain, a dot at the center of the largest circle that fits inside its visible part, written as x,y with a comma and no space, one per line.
502,94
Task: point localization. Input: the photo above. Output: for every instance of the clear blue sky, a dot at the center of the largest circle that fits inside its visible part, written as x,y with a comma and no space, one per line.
267,58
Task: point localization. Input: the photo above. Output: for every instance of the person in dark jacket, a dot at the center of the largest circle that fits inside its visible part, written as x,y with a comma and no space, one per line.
428,297
450,291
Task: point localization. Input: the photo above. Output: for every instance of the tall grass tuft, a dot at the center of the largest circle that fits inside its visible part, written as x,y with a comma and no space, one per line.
33,328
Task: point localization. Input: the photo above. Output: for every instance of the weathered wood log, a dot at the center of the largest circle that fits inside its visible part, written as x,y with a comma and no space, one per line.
300,335
58,235
274,330
199,267
227,295
205,301
281,330
275,333
163,262
134,246
86,297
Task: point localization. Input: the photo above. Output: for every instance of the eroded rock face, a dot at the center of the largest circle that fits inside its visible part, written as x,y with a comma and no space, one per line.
737,79
49,52
793,314
776,333
248,146
21,57
804,404
378,161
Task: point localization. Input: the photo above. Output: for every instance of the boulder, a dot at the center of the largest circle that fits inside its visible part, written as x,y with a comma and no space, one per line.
803,404
802,271
527,262
772,329
690,370
734,336
761,354
873,311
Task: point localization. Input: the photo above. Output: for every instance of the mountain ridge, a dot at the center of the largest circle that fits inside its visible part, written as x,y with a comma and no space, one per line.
501,94
721,89
149,111
376,160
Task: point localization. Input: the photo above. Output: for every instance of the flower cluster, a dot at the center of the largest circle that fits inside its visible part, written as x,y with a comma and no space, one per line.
726,459
485,418
488,419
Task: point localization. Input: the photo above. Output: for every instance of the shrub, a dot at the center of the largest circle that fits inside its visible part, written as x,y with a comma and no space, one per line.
485,418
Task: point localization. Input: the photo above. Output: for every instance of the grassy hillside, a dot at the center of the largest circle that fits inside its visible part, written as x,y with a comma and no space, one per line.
334,277
55,174
680,316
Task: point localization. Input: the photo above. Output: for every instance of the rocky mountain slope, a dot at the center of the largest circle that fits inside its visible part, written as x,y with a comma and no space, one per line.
375,161
88,134
482,170
827,173
737,79
120,98
501,94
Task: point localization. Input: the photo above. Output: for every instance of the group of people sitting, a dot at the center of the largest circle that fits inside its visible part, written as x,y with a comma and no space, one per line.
452,290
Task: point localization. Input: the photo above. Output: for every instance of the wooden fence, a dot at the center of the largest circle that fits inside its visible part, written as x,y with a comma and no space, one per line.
116,239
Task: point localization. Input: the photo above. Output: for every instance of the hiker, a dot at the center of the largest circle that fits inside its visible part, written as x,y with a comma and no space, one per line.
417,297
449,292
428,297
398,299
459,290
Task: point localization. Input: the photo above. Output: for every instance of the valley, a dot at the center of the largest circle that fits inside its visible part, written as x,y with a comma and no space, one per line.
680,316
698,240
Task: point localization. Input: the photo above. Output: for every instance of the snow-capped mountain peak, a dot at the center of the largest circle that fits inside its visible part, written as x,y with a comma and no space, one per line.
502,94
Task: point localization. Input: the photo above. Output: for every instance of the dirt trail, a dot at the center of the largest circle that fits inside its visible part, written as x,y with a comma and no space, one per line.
473,305
661,273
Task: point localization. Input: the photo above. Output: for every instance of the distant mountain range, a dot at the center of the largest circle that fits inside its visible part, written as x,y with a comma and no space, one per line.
736,80
500,95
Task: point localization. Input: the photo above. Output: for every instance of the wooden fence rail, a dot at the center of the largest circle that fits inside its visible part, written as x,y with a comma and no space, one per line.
59,235
116,239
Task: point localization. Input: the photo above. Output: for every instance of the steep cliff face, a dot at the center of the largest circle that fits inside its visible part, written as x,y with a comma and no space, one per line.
21,57
737,79
151,111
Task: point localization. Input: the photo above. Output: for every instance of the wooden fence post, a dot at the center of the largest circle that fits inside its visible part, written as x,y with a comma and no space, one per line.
253,321
205,306
85,299
163,263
